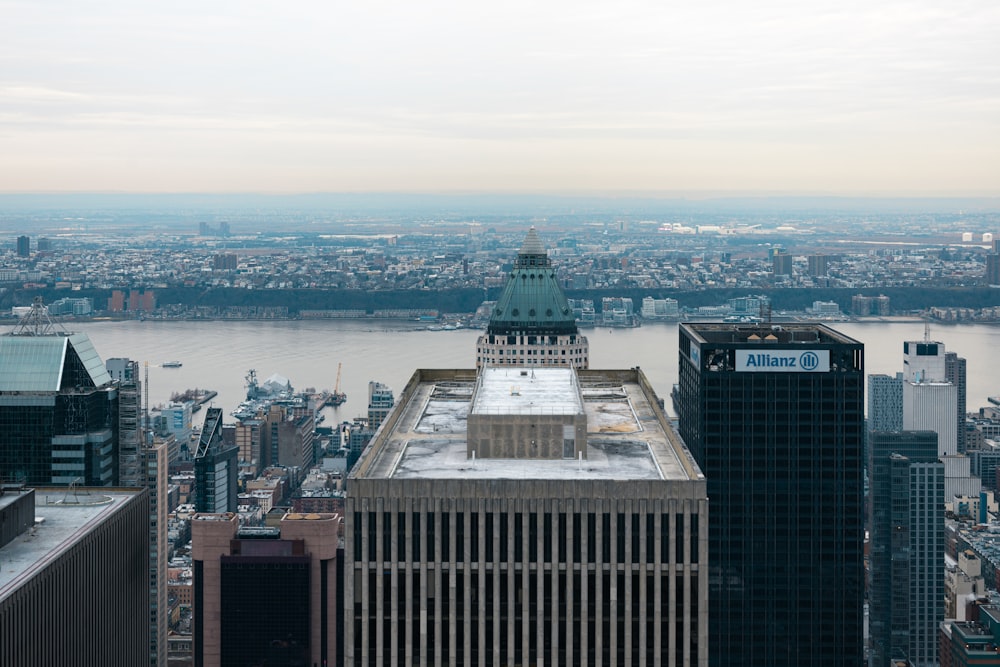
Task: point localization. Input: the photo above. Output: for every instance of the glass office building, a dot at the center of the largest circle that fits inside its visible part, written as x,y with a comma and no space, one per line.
774,416
907,546
58,412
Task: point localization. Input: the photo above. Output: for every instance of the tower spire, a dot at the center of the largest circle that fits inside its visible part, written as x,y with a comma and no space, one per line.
531,322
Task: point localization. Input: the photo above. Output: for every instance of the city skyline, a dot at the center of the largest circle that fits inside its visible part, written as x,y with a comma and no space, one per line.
844,99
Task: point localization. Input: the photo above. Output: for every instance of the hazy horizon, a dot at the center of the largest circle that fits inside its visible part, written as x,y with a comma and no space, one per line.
485,205
626,99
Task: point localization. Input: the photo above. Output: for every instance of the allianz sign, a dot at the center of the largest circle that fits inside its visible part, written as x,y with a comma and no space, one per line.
783,361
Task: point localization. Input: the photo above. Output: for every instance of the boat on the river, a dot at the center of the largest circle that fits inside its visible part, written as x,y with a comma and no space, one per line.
171,364
260,396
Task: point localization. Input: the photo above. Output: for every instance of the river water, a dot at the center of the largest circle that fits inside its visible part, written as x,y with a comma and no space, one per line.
217,354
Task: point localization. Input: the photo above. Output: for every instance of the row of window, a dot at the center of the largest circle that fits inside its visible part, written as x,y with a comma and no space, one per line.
530,352
619,617
564,537
534,339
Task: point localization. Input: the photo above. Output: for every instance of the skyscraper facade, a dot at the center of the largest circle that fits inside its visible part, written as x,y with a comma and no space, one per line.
818,264
23,246
923,360
774,416
885,408
380,402
156,462
930,400
215,468
781,262
532,323
526,516
885,402
906,505
955,373
143,463
265,596
58,409
993,268
73,588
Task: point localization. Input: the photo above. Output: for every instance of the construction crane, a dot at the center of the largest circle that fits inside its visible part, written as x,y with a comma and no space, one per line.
337,397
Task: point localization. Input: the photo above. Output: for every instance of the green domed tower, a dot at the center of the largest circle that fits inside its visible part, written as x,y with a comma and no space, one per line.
532,323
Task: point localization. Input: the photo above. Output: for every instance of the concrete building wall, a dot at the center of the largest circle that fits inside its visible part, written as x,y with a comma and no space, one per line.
211,535
216,540
570,351
923,361
17,513
958,479
625,558
86,602
321,535
527,436
295,442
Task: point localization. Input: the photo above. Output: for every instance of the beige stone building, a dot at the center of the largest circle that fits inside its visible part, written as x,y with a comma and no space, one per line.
532,323
526,516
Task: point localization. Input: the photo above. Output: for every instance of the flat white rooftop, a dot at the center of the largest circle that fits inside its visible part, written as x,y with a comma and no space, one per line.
628,436
521,391
61,516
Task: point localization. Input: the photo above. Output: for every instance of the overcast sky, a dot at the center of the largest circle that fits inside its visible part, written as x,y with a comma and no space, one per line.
843,97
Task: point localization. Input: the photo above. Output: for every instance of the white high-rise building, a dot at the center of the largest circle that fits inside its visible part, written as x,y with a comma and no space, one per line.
930,400
930,406
923,361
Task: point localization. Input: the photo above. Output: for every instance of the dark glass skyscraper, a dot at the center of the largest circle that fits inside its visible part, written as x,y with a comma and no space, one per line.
954,372
58,411
907,546
774,416
215,468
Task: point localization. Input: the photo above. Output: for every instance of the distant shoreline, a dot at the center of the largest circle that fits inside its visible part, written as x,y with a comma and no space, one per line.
466,324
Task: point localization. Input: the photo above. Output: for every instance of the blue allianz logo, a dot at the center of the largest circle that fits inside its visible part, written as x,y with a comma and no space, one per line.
761,359
808,361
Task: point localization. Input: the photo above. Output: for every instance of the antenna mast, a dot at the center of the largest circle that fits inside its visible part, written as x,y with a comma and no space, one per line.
145,407
36,322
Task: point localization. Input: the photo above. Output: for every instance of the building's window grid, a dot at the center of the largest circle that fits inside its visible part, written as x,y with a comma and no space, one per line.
604,583
791,493
538,350
41,622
